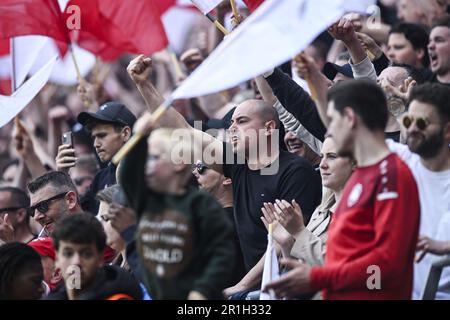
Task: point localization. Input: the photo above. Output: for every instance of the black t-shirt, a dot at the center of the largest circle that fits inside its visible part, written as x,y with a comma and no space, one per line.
295,179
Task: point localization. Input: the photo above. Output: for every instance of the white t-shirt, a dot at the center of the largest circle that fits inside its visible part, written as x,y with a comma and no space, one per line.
434,194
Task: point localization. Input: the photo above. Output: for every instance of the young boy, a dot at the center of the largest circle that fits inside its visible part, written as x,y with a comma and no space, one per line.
79,240
184,239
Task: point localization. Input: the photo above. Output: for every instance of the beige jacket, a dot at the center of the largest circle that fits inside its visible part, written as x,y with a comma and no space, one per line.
310,244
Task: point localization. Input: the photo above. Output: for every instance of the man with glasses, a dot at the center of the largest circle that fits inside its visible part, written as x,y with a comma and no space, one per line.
14,217
427,130
53,196
220,187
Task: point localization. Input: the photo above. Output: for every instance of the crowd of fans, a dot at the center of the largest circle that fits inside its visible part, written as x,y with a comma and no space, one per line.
343,153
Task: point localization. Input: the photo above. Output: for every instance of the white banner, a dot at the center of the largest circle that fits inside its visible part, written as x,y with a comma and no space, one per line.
10,106
273,34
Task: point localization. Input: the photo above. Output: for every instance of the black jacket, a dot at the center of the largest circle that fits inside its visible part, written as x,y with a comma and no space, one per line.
106,177
109,281
298,102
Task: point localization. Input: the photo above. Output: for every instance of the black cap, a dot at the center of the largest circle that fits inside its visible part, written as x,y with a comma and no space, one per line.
112,112
331,69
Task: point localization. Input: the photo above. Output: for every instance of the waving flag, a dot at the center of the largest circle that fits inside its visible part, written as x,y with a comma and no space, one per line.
110,28
25,17
10,106
273,34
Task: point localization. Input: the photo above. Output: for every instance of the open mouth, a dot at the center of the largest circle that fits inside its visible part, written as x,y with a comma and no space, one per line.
433,58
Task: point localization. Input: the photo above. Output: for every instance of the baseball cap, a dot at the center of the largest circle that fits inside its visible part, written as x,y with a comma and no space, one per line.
331,69
112,112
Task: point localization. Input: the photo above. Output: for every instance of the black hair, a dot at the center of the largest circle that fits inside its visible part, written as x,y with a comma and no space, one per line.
10,163
435,94
80,228
443,21
57,179
417,35
19,198
366,99
14,258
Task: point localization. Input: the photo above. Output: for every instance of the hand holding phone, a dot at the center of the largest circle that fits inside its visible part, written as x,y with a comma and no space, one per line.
67,138
65,159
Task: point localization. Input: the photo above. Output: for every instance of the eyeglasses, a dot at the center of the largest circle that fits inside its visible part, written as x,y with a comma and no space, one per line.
44,205
421,123
201,167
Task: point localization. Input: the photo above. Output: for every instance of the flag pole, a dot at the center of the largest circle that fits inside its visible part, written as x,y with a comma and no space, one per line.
217,24
13,65
176,64
75,63
136,137
234,9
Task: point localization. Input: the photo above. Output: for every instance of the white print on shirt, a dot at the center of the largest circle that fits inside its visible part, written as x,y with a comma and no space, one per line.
385,193
354,194
165,242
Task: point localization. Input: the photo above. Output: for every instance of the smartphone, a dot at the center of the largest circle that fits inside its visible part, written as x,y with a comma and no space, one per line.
67,138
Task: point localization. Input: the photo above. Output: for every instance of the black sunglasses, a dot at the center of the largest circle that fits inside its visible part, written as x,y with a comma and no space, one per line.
421,123
44,205
200,167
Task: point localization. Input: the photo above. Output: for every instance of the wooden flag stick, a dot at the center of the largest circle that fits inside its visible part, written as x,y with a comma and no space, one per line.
370,55
176,64
136,137
217,24
234,9
75,63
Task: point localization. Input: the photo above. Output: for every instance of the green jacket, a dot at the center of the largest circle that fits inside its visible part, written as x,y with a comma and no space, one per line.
184,242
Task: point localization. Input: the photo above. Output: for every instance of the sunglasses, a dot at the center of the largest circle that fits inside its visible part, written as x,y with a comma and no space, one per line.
421,123
200,168
44,205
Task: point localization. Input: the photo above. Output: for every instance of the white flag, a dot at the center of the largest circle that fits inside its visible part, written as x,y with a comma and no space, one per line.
206,6
271,270
10,106
31,53
273,34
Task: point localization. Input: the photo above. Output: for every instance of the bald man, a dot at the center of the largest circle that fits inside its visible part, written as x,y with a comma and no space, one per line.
259,170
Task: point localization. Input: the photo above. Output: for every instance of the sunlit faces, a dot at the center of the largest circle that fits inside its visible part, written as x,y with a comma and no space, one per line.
426,140
400,50
340,129
57,208
334,170
78,262
107,141
113,238
439,50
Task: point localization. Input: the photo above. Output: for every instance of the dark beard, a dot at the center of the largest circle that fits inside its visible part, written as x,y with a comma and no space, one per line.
429,147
